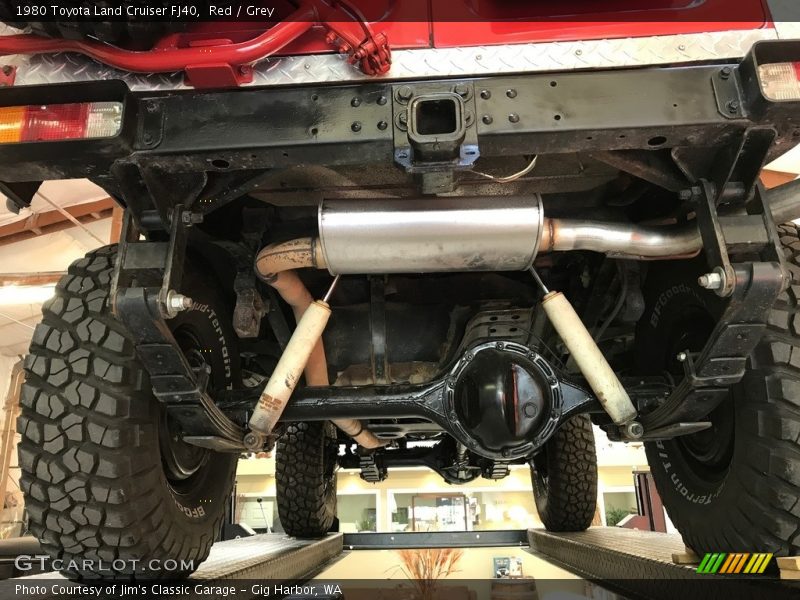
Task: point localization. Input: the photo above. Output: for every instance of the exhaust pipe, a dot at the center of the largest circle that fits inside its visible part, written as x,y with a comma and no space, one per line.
621,240
382,236
784,201
377,237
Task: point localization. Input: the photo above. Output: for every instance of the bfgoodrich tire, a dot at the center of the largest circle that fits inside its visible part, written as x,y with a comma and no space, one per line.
305,474
106,478
736,486
564,477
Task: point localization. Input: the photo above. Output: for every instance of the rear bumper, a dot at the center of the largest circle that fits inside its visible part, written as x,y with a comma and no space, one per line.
677,109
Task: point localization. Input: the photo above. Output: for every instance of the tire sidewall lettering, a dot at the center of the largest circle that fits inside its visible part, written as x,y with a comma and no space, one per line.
222,343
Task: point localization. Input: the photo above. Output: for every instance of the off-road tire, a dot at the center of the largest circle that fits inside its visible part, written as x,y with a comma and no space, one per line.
90,453
749,501
305,474
564,477
133,34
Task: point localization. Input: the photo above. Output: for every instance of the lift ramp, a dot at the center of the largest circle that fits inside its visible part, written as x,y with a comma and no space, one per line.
633,564
269,556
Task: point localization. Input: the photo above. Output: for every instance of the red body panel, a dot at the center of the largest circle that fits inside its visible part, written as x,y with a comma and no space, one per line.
476,22
453,23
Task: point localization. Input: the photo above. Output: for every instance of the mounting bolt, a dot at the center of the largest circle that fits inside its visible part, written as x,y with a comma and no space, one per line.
403,118
356,126
189,218
253,441
486,94
382,100
512,93
513,117
356,101
462,90
733,107
726,73
178,302
634,430
405,93
487,119
681,357
382,125
711,281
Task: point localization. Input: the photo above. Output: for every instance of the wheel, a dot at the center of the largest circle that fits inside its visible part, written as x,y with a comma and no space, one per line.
305,475
105,475
734,486
564,477
132,34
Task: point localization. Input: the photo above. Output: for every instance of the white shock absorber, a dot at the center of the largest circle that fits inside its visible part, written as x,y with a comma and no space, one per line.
583,349
287,373
290,367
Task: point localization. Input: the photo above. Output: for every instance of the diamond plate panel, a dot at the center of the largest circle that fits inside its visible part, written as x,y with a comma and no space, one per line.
421,63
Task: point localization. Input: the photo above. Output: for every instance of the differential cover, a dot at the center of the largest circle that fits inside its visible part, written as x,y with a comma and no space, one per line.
502,399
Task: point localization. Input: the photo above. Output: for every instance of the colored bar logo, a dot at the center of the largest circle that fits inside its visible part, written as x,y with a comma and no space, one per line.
734,563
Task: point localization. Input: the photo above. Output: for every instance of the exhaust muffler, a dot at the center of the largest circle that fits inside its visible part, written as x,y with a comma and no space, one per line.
430,235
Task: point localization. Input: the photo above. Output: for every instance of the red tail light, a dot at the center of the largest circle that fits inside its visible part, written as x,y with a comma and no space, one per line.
53,122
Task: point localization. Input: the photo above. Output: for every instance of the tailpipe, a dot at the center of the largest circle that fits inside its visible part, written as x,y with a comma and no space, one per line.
784,201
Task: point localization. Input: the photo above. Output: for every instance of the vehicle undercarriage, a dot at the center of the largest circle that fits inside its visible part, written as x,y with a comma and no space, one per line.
434,217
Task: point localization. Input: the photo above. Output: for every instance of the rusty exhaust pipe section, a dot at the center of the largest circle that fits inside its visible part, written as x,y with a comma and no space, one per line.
621,240
624,240
275,265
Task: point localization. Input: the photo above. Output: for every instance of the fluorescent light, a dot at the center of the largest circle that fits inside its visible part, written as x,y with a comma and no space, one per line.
25,294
